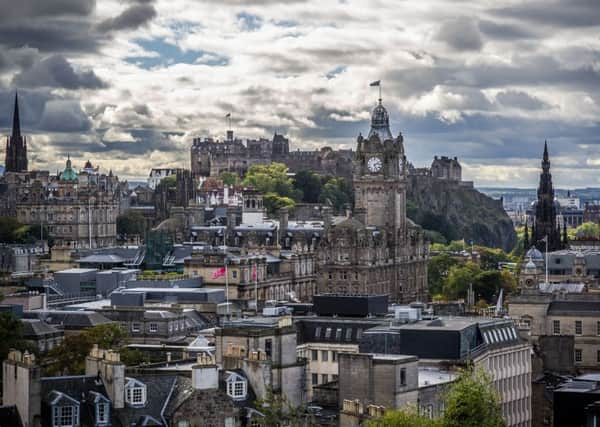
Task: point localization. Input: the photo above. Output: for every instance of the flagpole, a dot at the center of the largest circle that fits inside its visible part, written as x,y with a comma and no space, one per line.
226,287
256,285
546,260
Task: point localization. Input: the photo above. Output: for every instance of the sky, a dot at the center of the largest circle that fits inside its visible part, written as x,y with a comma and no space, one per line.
128,84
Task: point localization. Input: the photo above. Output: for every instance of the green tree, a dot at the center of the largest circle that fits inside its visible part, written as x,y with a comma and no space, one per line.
273,202
131,223
278,411
437,271
271,178
309,183
403,418
472,402
169,181
490,257
487,284
11,334
229,178
69,357
337,193
587,230
459,279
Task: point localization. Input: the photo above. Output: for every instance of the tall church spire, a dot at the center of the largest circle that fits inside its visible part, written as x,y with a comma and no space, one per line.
16,127
16,145
545,210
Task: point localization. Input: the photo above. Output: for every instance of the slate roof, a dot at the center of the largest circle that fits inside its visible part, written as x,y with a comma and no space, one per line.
37,328
74,319
77,387
158,390
574,308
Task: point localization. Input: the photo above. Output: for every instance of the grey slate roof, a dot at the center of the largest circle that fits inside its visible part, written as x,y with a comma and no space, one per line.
158,390
73,319
77,387
574,308
37,328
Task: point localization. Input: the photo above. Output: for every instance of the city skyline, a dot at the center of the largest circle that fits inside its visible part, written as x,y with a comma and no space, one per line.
113,81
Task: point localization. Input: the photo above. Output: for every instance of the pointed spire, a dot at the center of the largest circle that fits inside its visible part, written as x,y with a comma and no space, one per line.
16,127
545,151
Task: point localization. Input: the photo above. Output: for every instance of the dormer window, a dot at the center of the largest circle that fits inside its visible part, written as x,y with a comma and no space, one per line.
102,409
237,386
65,410
135,392
66,416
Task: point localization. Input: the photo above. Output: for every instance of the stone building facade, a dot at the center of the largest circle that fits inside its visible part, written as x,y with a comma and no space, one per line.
210,157
378,250
575,315
446,168
79,209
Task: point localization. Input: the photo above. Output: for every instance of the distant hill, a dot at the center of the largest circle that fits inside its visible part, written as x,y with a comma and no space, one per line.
459,212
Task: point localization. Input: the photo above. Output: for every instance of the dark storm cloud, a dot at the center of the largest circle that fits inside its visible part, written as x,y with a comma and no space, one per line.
51,36
64,116
41,111
131,18
461,34
502,31
25,9
561,13
519,99
56,71
146,141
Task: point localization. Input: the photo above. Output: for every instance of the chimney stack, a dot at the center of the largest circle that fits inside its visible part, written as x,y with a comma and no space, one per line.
21,386
205,374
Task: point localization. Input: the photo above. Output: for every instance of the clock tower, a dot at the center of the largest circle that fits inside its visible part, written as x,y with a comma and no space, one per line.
379,177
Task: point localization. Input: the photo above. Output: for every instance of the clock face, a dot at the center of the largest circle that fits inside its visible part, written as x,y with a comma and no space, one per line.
374,164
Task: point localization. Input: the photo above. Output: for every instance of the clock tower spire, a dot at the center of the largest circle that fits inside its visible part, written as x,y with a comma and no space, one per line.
379,175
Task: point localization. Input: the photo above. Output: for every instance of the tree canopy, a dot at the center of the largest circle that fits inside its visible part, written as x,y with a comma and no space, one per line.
310,184
337,193
131,223
587,230
471,401
69,357
12,231
11,335
275,183
404,418
229,178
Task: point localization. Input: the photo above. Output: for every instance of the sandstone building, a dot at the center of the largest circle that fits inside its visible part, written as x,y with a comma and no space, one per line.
378,250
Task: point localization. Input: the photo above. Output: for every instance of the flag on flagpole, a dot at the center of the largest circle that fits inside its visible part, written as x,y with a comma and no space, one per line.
219,272
228,115
375,83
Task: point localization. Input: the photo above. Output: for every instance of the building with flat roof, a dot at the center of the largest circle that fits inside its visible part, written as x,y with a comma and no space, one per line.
492,344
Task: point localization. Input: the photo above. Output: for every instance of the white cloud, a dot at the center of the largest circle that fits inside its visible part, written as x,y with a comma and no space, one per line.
500,89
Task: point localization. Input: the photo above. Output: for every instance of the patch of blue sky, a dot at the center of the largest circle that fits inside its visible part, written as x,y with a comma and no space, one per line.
162,53
337,70
249,22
